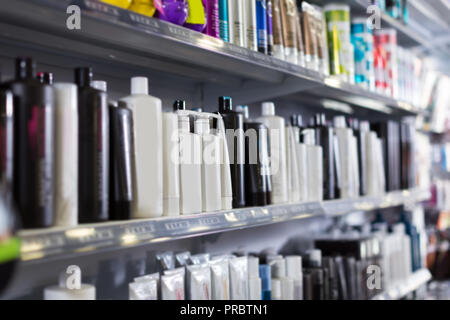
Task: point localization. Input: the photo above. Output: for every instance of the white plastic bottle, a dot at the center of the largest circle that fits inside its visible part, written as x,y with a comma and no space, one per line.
225,176
315,166
211,171
171,159
292,166
148,155
294,271
278,163
302,163
251,37
344,137
190,168
236,16
66,149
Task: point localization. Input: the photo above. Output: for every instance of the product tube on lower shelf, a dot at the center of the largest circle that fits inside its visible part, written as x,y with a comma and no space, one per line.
254,281
292,166
315,166
220,278
345,137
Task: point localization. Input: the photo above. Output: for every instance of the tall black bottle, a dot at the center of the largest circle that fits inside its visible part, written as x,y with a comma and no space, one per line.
6,139
325,139
258,186
236,148
34,117
362,154
93,153
121,160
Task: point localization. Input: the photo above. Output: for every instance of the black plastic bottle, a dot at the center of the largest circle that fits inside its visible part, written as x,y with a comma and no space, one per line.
362,154
325,139
121,160
6,139
93,157
407,156
297,122
34,116
236,147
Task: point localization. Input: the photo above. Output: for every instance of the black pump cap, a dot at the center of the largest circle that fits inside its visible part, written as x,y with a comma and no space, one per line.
297,120
179,105
83,76
225,104
45,77
25,68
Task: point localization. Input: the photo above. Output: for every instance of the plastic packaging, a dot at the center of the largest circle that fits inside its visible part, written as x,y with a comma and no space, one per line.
261,22
66,148
172,285
276,293
225,168
292,166
143,290
294,272
201,258
196,19
166,260
238,278
254,281
224,27
236,18
212,18
144,7
269,15
220,278
198,284
124,4
278,42
310,33
175,11
289,21
148,154
315,166
250,25
7,142
266,285
182,259
344,137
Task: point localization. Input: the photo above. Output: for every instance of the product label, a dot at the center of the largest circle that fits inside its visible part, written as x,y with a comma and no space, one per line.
289,18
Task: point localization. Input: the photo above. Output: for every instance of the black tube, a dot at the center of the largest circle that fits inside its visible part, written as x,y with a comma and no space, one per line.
121,162
93,158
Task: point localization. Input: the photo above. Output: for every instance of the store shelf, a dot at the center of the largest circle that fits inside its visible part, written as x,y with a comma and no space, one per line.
417,279
110,35
66,242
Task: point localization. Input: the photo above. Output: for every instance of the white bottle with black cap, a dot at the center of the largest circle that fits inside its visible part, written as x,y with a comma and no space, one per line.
315,166
344,138
277,135
190,165
211,170
148,139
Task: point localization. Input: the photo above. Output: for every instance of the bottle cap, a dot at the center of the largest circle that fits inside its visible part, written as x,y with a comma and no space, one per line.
83,76
339,122
139,85
244,110
99,85
25,68
225,104
294,267
309,137
179,105
314,257
268,109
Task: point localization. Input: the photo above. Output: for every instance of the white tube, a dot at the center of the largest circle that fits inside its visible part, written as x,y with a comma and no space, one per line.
171,160
66,145
251,37
315,166
292,166
344,138
239,278
226,188
254,281
211,173
276,289
236,22
302,162
287,289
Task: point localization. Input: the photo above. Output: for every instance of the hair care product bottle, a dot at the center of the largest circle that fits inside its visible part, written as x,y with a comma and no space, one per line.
292,166
251,31
6,139
266,285
121,162
212,18
211,173
171,165
289,22
234,125
344,139
225,167
224,27
66,150
93,152
294,271
278,163
278,41
314,268
325,139
407,145
269,5
45,77
302,159
144,7
124,4
300,45
175,11
34,117
148,154
236,18
315,166
196,19
261,12
361,130
190,165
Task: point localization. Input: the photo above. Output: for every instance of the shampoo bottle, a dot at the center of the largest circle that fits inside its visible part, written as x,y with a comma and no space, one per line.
234,125
196,19
277,136
261,14
292,165
190,165
251,31
93,152
212,18
236,22
277,28
121,162
225,167
6,139
344,139
171,165
315,166
269,12
66,149
289,22
302,159
148,153
224,27
34,117
211,173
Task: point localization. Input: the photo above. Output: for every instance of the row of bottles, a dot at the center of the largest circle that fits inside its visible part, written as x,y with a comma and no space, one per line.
71,156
